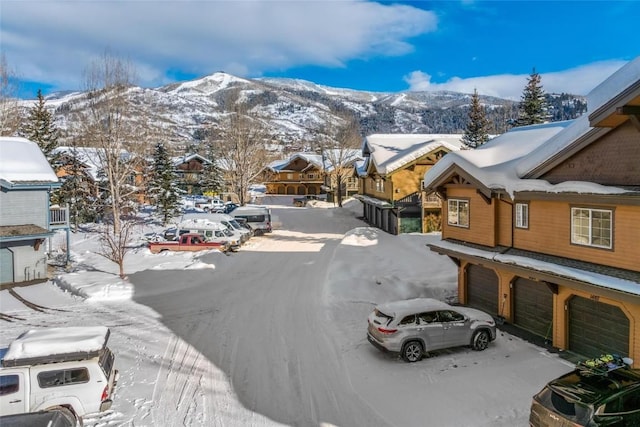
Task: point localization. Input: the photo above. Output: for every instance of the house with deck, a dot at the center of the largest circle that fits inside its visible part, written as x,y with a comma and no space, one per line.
299,174
26,217
391,179
543,223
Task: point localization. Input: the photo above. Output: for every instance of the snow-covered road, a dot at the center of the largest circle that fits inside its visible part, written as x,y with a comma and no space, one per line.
275,334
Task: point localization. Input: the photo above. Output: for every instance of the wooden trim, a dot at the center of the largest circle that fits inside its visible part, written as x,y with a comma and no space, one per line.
624,199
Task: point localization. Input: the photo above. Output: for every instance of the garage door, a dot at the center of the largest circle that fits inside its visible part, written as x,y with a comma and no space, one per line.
596,328
482,289
533,306
6,265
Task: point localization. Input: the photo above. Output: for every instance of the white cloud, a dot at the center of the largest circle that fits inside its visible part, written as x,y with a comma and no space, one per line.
53,41
578,81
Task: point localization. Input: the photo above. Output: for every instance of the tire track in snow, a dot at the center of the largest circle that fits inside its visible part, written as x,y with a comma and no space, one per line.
180,386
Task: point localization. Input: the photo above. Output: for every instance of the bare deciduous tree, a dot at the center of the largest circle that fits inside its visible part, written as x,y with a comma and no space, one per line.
241,144
114,246
115,129
9,111
340,153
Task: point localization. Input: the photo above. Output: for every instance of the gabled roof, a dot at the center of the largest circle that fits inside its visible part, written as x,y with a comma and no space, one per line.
178,160
283,164
390,152
23,163
90,157
513,161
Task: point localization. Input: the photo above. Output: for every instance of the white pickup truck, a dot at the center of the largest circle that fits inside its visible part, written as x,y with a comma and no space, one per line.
67,369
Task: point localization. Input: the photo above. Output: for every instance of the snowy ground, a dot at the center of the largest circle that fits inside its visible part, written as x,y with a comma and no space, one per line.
155,391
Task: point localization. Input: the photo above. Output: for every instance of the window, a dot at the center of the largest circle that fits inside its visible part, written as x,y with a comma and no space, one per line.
9,384
458,213
289,176
450,316
522,215
63,377
591,227
428,317
311,176
409,320
379,185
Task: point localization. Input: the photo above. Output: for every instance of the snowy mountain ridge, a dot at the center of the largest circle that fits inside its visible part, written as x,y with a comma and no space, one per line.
295,111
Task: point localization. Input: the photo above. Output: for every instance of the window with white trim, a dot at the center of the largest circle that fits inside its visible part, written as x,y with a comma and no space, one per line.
591,227
458,213
379,185
522,215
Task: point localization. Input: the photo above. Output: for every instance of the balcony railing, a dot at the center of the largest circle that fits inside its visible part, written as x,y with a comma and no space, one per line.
59,217
432,201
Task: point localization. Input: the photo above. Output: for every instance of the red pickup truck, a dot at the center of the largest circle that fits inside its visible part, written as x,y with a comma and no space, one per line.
188,242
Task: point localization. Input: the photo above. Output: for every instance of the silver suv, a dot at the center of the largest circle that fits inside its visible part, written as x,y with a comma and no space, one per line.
417,326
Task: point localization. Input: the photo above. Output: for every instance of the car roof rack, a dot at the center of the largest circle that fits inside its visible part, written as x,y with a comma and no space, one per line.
603,364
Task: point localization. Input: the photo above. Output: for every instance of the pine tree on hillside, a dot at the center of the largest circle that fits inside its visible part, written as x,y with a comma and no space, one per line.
533,107
41,129
163,188
476,132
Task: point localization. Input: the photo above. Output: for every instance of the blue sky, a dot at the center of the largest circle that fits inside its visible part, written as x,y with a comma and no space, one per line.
491,46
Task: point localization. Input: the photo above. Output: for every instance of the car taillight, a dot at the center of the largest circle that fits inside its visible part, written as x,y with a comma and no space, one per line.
387,331
105,393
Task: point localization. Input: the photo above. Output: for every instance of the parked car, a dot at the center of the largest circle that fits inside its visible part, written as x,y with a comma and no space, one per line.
230,206
68,369
412,328
591,395
55,417
258,217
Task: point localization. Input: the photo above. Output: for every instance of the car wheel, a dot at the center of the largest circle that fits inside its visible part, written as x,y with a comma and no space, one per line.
68,415
480,340
412,351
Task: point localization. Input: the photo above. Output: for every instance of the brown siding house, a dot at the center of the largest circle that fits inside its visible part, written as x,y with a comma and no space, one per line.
543,223
391,180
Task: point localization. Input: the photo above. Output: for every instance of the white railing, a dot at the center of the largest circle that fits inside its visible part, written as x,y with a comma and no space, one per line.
59,216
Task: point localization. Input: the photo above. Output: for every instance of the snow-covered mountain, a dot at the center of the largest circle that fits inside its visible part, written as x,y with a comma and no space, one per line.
295,111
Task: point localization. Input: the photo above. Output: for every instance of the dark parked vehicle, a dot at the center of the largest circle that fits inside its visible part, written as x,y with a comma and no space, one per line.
417,326
599,392
57,417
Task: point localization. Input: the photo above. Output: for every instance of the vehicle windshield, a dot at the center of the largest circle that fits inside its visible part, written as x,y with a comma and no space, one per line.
227,232
235,224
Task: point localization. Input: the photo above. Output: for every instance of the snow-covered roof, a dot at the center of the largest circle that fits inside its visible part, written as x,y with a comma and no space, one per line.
178,160
389,152
282,164
56,341
90,157
22,161
511,161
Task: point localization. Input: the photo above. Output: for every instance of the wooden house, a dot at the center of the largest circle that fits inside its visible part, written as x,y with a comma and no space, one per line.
390,179
300,174
543,224
26,217
189,171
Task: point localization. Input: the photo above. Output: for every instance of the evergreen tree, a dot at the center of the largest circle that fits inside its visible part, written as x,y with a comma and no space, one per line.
76,189
41,129
533,106
476,132
212,180
163,188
